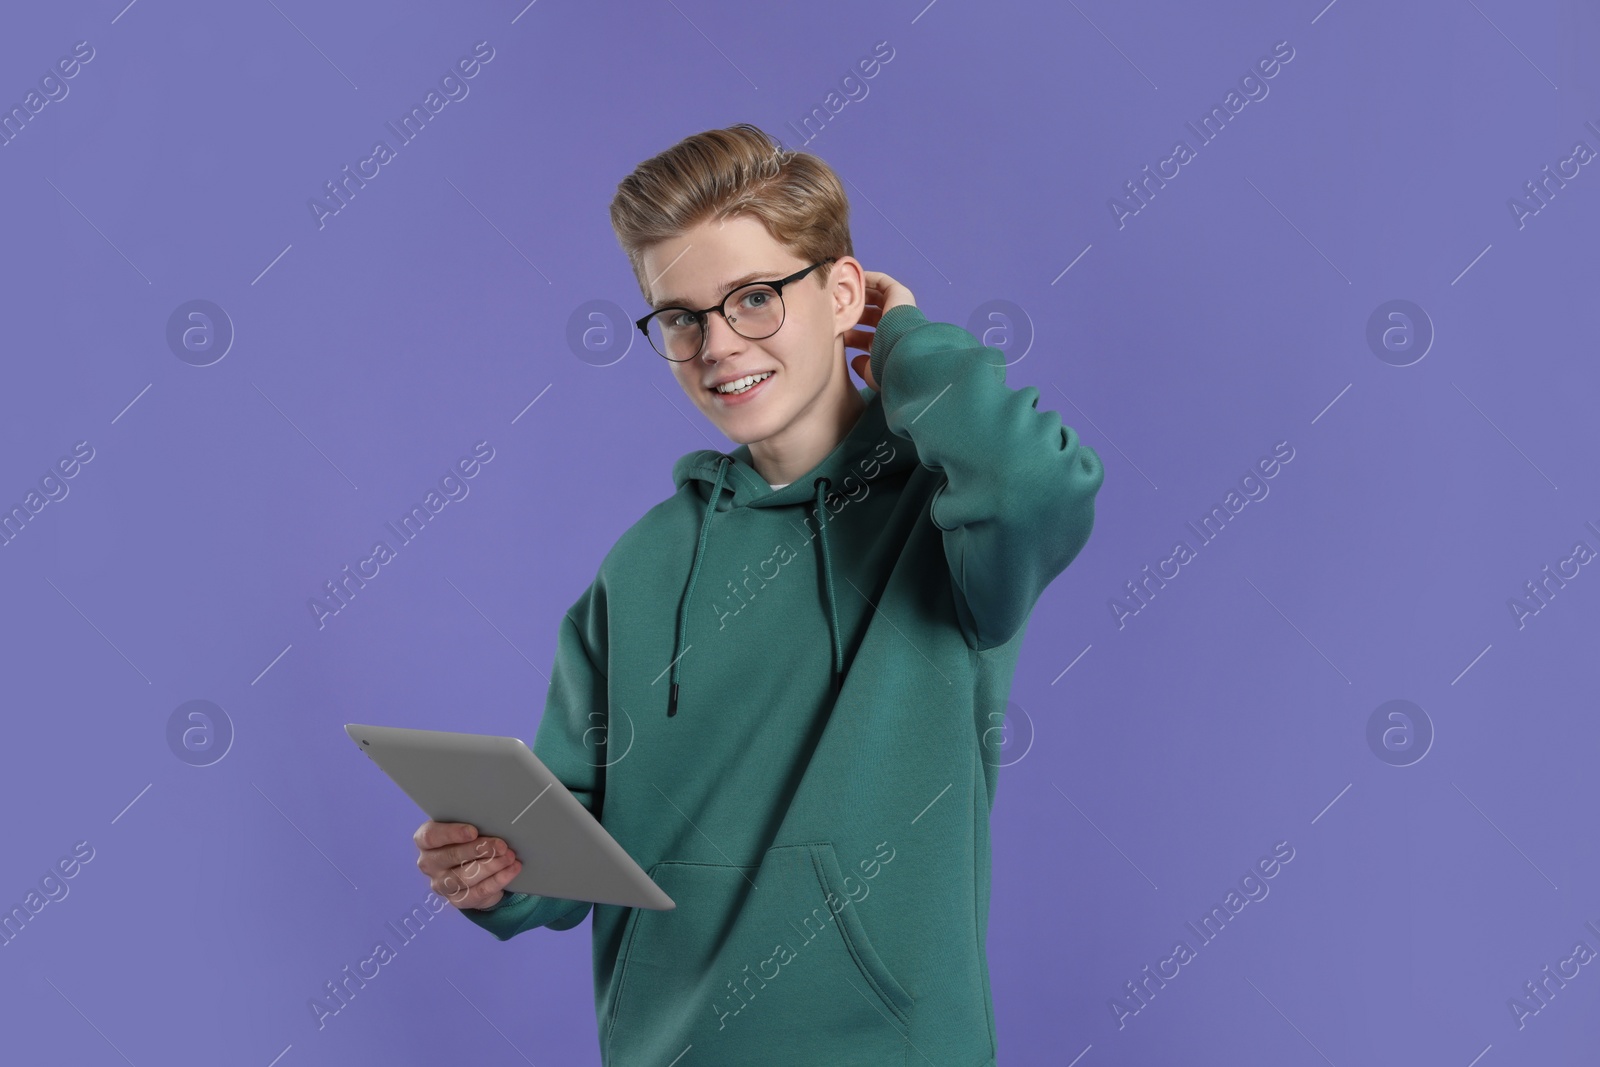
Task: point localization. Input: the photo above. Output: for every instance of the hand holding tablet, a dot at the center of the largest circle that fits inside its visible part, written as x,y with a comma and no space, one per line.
466,868
499,821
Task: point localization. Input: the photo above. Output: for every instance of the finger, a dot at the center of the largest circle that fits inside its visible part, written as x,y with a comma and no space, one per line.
496,854
456,887
495,888
462,896
434,834
861,339
482,895
476,871
434,861
481,850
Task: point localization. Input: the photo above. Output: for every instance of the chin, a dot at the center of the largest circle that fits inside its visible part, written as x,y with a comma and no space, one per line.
746,426
745,434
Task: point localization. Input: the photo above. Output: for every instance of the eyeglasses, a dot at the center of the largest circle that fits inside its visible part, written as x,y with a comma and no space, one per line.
679,333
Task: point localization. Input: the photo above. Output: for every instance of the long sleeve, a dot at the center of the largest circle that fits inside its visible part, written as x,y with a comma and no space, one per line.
568,741
1018,501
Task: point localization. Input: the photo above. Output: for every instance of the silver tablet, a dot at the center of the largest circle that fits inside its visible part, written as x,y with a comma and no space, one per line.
498,785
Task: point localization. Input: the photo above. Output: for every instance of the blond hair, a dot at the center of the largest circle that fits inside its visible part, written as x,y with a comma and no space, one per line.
715,175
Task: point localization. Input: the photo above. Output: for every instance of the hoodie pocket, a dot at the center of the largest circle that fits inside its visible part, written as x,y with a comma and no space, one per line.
769,964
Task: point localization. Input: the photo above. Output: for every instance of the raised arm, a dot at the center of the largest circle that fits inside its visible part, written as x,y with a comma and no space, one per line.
1018,503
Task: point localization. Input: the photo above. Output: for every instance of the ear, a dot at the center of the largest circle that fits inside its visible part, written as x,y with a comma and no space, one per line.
847,288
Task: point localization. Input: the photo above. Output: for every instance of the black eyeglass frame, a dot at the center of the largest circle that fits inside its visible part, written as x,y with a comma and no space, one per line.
720,308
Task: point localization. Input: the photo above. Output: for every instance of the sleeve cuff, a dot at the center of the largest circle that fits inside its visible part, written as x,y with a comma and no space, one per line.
894,324
505,899
517,912
506,919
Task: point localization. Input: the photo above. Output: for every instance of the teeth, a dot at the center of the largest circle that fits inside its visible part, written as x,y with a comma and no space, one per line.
739,385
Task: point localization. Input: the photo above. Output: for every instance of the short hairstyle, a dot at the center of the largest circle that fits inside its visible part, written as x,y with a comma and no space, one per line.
738,171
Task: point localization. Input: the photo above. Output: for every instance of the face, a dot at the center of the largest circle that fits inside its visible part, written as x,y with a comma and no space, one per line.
804,359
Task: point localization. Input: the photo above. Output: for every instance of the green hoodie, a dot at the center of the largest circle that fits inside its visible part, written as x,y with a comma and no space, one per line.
777,702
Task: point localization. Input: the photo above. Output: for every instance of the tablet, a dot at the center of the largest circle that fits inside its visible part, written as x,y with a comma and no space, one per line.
498,785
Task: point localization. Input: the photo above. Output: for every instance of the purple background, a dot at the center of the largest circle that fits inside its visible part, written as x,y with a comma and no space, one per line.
439,308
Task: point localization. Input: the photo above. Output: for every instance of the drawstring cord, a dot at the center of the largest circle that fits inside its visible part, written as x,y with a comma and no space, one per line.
827,581
821,485
694,573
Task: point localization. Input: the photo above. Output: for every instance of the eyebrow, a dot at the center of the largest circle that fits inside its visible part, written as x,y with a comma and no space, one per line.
725,288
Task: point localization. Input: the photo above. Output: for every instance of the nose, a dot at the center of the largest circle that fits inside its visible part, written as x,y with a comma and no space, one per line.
721,339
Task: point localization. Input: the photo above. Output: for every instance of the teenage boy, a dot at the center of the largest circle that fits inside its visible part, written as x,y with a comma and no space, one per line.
774,693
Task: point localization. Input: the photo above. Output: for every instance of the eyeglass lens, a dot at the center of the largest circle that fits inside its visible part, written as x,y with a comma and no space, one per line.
754,312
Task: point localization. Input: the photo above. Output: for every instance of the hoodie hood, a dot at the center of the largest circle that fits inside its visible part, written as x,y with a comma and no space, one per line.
727,480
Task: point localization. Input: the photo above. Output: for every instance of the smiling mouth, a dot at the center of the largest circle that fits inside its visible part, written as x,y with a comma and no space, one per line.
759,378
